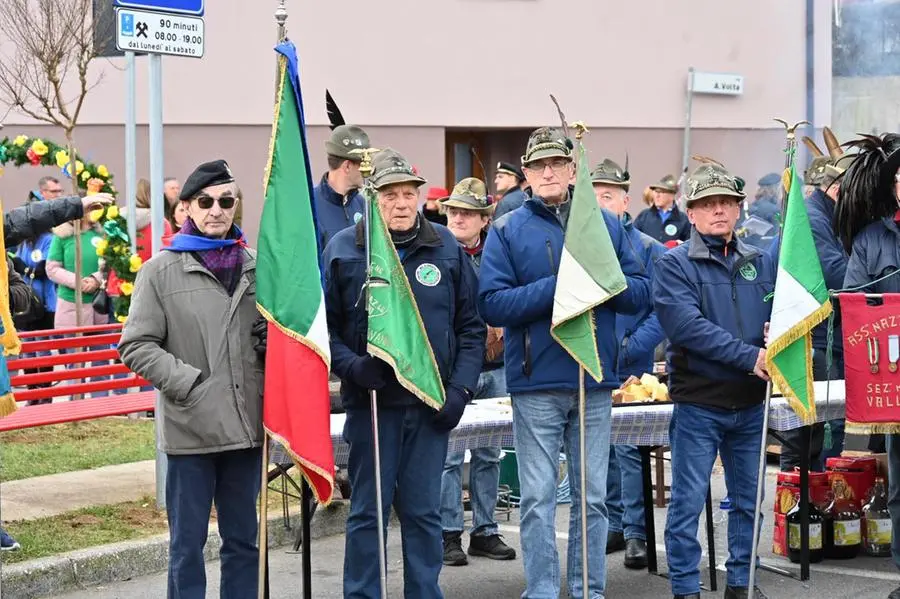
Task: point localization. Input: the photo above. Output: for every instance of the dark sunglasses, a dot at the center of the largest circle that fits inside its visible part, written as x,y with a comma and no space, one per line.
226,202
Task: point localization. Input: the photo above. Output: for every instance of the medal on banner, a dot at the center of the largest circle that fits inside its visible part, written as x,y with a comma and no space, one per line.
872,346
893,352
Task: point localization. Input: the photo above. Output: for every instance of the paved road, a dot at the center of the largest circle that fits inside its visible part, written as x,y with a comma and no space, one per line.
862,578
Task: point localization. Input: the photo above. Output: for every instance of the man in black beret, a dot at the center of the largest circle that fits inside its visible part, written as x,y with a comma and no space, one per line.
509,182
191,332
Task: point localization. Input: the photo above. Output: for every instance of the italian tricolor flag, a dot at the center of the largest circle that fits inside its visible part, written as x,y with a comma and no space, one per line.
589,274
801,302
296,409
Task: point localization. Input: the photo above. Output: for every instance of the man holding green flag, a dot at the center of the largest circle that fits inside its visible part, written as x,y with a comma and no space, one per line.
416,338
535,260
712,299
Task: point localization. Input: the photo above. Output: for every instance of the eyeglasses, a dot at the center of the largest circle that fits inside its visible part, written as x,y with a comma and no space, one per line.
557,165
225,202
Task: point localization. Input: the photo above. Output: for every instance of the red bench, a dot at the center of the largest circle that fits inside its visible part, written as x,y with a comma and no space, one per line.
83,346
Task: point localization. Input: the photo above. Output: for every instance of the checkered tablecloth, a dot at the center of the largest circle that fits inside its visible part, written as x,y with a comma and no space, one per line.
488,423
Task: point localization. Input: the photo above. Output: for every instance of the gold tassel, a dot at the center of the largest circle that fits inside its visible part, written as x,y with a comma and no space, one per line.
7,405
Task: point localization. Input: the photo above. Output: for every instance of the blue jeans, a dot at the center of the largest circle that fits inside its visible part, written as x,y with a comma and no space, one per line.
412,459
543,421
893,454
484,473
193,482
696,434
625,492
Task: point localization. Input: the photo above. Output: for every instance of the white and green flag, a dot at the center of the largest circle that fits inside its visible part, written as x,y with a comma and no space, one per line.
589,274
801,302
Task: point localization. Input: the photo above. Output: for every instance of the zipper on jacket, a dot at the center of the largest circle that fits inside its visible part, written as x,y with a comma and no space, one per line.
526,354
737,306
550,255
344,203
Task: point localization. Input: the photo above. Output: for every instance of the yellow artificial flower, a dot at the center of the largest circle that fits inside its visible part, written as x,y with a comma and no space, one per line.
85,176
112,211
101,170
20,140
126,288
96,215
121,318
79,166
62,158
39,147
101,245
134,263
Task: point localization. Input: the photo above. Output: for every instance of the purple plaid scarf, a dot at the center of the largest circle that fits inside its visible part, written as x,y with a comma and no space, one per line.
224,258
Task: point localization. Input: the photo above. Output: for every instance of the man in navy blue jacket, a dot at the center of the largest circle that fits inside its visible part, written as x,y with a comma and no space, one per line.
413,436
338,202
637,336
711,297
516,291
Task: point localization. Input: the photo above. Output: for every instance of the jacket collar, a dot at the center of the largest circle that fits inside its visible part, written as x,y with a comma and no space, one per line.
330,195
427,237
674,211
537,205
190,263
891,225
627,222
698,249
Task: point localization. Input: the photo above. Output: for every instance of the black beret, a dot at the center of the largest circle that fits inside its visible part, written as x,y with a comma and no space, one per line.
206,175
511,169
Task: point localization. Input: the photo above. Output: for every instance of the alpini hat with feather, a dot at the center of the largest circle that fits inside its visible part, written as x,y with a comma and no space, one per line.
469,194
610,173
711,178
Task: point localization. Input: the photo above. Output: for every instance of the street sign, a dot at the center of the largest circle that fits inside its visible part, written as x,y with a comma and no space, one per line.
157,33
723,84
184,7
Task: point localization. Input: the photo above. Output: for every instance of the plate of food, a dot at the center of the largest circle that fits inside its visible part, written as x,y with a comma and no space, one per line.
640,391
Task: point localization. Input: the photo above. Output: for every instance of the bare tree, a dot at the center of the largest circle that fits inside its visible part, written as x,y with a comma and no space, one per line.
45,74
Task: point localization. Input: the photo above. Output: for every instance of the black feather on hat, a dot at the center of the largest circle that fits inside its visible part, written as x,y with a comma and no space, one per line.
867,188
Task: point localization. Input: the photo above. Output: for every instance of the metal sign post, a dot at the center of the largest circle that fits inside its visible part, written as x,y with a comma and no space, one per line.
155,27
131,148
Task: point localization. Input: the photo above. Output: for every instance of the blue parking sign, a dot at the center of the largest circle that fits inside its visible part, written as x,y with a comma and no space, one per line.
127,25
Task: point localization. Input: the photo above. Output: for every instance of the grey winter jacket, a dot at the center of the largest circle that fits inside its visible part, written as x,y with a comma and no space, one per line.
193,342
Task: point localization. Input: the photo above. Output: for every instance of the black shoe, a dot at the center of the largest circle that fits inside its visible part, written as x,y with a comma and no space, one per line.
636,554
615,541
691,596
491,546
895,594
453,552
743,593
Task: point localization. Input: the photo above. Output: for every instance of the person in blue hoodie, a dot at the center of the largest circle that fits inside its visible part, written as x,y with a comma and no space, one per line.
413,436
637,335
516,291
338,203
711,296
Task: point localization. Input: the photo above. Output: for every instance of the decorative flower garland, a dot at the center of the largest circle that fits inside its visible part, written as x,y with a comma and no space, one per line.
115,248
38,152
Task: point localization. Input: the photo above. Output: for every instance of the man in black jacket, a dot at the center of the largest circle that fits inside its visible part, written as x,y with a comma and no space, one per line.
663,221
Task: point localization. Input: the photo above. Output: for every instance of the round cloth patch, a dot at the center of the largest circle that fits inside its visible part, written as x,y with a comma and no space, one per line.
37,255
428,274
357,217
671,229
748,271
96,241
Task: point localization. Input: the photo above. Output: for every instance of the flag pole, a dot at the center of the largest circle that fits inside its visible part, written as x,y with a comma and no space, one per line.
263,581
365,168
583,482
761,472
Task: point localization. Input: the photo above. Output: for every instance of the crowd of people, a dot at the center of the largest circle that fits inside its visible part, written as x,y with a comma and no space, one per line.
700,263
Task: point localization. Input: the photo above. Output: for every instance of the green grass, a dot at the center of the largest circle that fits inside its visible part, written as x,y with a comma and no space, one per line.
75,446
86,527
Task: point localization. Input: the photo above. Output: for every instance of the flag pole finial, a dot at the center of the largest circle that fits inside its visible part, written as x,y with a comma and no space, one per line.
281,16
580,129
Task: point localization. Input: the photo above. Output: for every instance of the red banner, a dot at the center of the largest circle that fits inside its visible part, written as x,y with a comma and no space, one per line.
872,362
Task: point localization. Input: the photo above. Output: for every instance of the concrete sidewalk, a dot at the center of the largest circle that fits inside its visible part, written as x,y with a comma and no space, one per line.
43,496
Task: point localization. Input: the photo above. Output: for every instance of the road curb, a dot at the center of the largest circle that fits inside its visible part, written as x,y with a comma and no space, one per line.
51,576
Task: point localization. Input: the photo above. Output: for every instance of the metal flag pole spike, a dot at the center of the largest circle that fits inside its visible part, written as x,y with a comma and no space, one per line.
365,168
582,476
790,142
